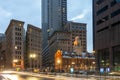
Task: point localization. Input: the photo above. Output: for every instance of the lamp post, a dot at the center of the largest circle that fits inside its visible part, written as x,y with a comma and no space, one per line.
14,62
93,65
73,63
58,61
32,57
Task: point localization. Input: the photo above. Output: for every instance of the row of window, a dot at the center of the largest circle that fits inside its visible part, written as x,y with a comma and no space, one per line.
34,49
18,52
18,38
18,57
99,2
17,33
82,31
18,47
102,20
34,44
106,7
78,27
113,3
18,43
102,10
18,29
74,35
115,13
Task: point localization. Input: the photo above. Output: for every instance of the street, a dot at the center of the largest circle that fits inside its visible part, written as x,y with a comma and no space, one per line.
13,75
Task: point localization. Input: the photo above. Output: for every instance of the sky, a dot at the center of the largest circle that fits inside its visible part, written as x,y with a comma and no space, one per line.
29,11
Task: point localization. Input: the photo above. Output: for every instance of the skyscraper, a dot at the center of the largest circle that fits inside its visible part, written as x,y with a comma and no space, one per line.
14,45
106,33
54,17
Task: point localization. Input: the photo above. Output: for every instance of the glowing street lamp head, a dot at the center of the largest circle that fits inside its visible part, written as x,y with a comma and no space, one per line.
15,60
32,55
73,62
15,47
58,61
93,62
93,51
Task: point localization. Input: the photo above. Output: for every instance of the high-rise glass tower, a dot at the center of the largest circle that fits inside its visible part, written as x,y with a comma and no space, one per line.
54,17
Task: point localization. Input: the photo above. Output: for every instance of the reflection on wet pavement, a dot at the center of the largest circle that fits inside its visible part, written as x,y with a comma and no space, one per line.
46,77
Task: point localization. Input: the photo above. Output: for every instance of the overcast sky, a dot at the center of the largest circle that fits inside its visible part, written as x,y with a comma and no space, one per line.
29,11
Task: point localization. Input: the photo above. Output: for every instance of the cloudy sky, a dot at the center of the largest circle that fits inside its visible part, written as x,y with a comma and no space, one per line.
29,11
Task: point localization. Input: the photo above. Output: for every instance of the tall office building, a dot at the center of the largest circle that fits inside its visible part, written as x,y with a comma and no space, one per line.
106,33
54,17
14,45
33,47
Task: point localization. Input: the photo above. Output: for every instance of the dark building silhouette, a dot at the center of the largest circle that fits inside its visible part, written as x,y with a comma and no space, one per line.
106,34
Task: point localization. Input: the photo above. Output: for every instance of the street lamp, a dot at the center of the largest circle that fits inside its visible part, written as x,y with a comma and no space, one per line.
32,56
15,60
58,61
73,63
93,65
16,47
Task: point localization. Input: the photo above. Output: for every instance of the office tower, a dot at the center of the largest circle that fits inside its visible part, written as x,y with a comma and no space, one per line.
54,18
33,47
14,45
106,34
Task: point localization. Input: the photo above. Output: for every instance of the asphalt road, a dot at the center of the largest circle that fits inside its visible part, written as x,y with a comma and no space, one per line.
21,77
33,76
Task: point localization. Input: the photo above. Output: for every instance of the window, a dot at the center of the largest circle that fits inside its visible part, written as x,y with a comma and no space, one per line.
113,3
102,20
115,13
102,10
99,2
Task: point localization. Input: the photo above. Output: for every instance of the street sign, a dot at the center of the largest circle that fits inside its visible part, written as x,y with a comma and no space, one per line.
107,70
71,70
101,70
